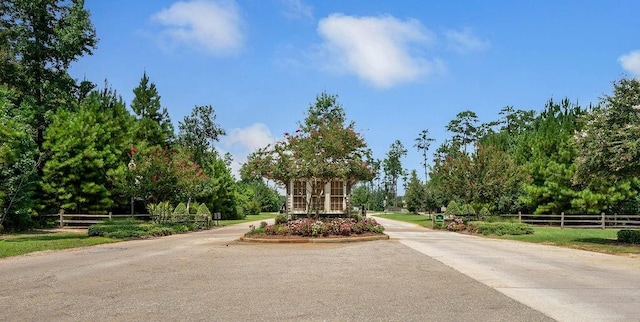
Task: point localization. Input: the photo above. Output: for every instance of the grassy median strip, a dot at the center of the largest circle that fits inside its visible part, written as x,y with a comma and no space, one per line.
18,244
596,240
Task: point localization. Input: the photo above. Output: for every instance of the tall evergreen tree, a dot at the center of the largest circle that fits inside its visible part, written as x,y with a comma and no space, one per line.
392,166
85,145
42,38
465,128
414,196
154,125
423,142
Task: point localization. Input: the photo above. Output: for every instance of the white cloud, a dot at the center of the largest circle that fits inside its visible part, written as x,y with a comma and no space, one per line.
380,50
241,142
631,62
464,41
296,9
214,27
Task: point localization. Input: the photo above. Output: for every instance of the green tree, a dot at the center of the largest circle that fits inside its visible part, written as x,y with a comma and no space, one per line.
423,142
198,132
154,125
246,200
465,128
609,144
223,191
84,146
392,166
42,38
192,180
18,164
415,194
548,158
324,148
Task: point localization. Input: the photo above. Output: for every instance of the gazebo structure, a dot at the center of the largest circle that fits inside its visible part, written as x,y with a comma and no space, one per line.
332,199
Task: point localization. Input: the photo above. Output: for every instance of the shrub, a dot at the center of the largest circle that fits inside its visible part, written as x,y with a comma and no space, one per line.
281,219
503,228
484,212
263,224
181,209
256,231
452,209
203,210
160,212
193,208
309,227
467,210
456,225
629,236
130,228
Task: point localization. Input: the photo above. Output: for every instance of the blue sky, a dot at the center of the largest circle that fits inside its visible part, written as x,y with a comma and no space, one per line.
398,67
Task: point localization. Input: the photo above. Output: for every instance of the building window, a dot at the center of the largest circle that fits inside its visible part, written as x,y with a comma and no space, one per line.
318,197
299,195
337,195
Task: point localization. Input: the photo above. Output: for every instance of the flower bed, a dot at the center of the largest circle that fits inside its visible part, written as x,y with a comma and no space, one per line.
309,227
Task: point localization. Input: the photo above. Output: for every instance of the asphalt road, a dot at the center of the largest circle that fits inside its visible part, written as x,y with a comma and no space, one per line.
565,284
207,276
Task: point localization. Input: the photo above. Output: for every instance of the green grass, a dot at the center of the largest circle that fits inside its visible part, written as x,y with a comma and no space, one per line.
597,240
18,244
262,216
33,241
421,220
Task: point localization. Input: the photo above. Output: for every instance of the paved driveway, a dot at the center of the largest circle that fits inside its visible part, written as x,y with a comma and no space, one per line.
565,284
207,276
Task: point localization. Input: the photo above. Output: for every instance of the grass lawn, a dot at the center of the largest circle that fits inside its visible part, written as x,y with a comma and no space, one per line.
18,244
421,220
596,240
33,241
262,216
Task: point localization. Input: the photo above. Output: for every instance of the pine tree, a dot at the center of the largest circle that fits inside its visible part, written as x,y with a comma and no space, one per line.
154,125
415,194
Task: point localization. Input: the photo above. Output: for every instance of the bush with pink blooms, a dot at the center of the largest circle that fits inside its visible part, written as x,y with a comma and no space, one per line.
312,227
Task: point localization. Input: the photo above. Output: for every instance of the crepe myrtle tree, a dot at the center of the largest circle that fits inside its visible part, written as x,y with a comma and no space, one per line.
325,147
609,143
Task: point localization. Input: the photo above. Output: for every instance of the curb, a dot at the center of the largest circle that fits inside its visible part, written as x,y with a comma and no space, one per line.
302,240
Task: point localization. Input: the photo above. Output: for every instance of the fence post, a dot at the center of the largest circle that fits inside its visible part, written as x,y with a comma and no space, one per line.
520,216
562,220
61,214
602,219
109,214
615,219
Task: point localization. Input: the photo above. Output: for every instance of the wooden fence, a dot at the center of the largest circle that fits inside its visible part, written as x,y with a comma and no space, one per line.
84,220
619,221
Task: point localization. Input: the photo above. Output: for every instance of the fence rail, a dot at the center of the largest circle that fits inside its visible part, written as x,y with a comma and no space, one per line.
620,221
86,220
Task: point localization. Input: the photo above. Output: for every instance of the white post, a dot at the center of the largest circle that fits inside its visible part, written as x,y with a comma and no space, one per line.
562,220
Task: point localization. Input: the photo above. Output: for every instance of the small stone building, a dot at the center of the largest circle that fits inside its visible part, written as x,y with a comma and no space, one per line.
332,199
